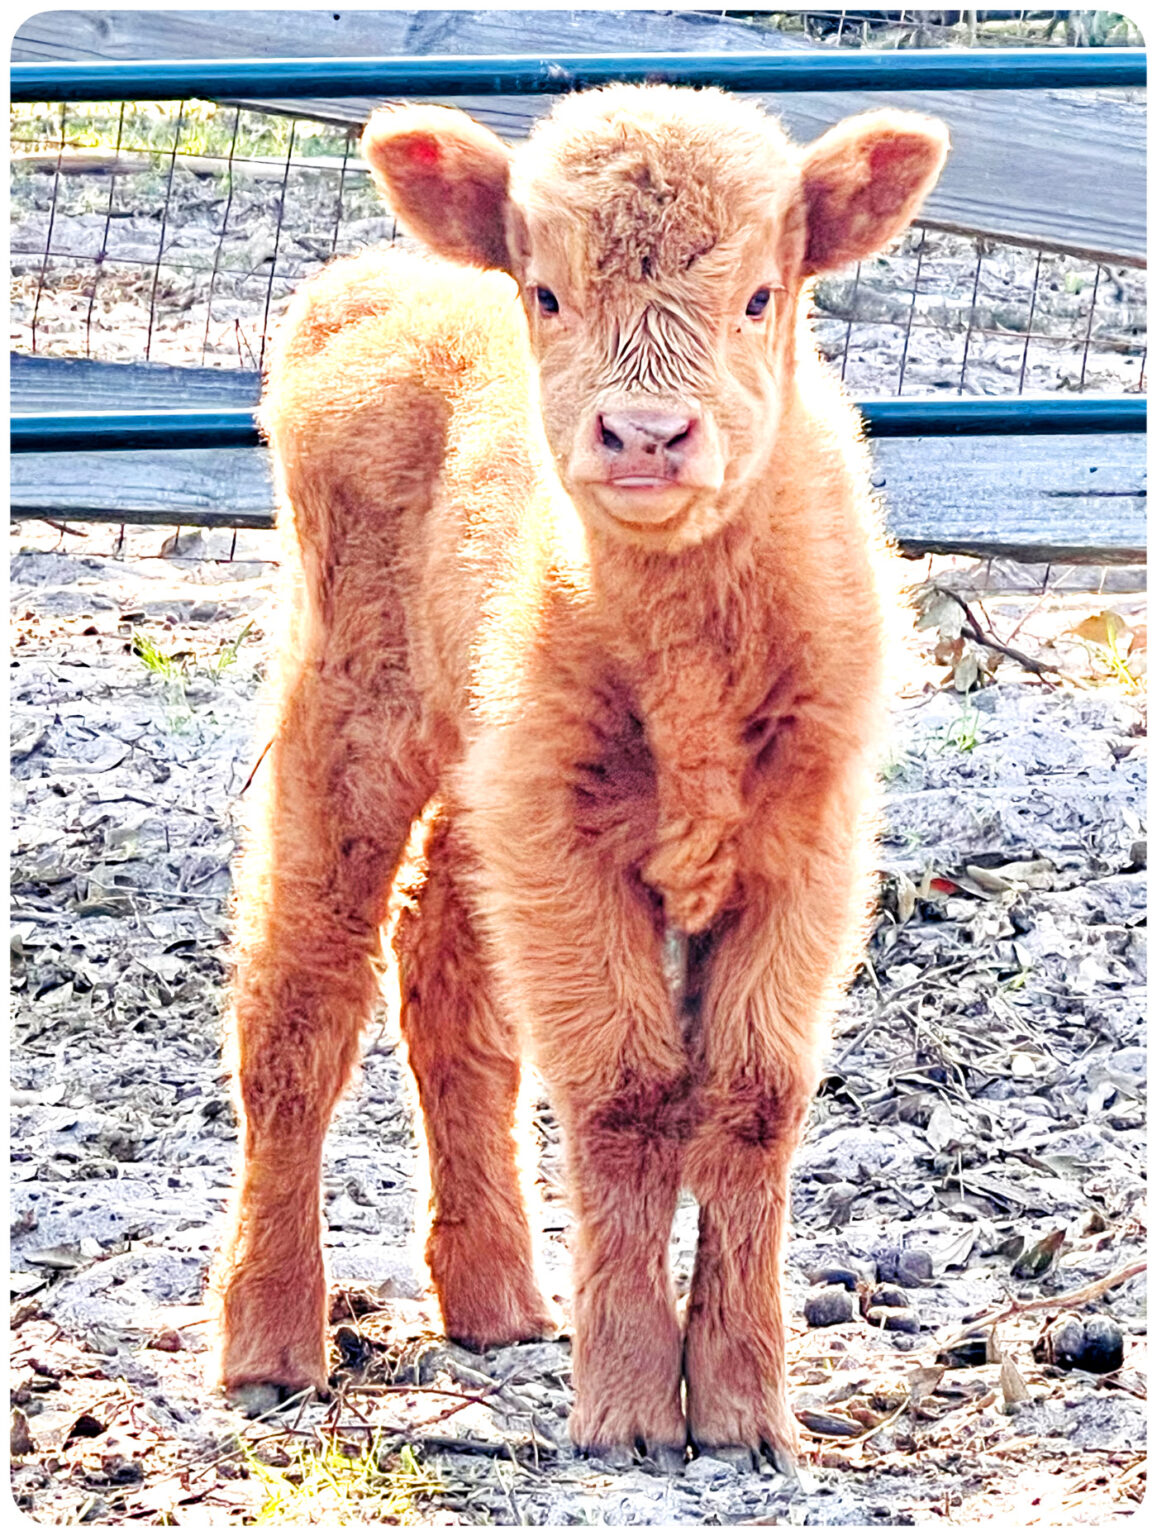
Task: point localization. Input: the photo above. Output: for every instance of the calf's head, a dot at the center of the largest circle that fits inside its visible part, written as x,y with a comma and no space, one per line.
661,238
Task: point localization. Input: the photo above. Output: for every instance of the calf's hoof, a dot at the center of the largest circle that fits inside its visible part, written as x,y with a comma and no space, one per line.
488,1294
486,1328
624,1435
740,1432
746,1458
256,1399
273,1338
665,1460
670,1460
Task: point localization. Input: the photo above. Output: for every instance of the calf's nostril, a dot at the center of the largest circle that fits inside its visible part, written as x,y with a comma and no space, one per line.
608,438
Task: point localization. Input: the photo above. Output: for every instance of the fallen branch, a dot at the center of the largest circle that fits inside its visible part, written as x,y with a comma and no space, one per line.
1077,1298
459,1445
973,629
411,1390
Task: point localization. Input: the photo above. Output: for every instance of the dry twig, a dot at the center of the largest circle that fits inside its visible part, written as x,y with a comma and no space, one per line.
1091,1292
973,629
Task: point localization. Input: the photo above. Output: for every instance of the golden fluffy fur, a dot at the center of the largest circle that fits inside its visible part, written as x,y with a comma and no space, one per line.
593,580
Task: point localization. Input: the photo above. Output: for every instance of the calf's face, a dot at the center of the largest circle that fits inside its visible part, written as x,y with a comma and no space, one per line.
661,239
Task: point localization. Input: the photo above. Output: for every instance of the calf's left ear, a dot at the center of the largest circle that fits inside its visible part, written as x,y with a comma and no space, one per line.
445,177
863,182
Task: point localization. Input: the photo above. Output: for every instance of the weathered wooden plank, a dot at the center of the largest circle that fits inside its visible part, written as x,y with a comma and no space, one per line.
1064,499
1062,168
52,384
221,487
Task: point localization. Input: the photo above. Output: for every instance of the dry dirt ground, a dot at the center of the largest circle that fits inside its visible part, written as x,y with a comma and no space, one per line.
978,1140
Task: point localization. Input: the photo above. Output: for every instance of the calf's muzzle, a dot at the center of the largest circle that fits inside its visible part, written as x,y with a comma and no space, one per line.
643,446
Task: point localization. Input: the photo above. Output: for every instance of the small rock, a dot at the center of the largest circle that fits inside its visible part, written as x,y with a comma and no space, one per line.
1063,1345
167,1339
1104,1346
1094,1344
355,1350
831,1305
834,1274
888,1296
102,1341
708,1467
20,1441
904,1266
894,1319
121,1469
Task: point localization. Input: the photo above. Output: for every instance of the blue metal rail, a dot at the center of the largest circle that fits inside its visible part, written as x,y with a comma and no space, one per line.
516,75
882,418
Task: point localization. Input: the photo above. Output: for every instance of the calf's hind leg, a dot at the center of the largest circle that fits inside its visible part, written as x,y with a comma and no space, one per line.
342,783
465,1058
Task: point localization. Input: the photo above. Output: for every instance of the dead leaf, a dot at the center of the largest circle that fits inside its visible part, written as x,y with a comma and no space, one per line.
937,610
924,1379
63,1256
954,1251
1012,1383
1107,629
21,1442
941,1128
1039,1258
905,897
163,1496
966,672
828,1424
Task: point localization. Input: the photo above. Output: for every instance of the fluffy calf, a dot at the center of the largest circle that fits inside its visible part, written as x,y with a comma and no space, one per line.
592,580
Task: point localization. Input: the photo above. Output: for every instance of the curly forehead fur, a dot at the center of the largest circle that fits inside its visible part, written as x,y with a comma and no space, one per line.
656,177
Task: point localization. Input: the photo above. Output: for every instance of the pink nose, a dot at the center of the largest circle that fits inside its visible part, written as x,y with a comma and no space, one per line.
644,435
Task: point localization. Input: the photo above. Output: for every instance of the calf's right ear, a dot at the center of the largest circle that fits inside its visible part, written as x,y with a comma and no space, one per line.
446,178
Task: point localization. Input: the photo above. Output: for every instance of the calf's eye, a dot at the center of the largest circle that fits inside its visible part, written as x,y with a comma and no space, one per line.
547,303
758,302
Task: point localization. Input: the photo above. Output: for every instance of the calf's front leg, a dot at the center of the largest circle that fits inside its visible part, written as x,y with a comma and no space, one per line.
625,1155
577,943
614,1061
768,987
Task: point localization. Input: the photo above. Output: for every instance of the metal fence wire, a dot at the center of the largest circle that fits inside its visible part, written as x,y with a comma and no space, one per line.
858,27
175,232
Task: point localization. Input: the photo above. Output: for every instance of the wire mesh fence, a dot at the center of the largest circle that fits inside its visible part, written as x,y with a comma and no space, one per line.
927,28
176,232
